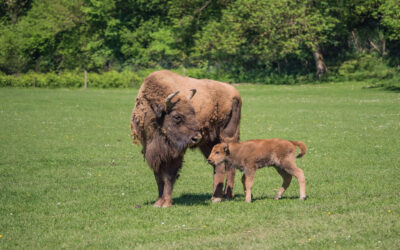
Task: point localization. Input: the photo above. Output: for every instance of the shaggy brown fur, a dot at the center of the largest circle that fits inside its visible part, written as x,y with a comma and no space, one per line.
250,155
214,111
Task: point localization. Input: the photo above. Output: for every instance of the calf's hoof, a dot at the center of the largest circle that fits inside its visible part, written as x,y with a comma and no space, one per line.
229,197
278,197
229,194
216,199
303,198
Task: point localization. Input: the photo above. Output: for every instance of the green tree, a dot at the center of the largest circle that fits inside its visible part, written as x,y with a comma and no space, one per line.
143,20
267,32
188,18
390,18
13,10
32,43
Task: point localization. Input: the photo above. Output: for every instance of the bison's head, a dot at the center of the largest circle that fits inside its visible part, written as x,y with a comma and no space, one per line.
218,154
177,121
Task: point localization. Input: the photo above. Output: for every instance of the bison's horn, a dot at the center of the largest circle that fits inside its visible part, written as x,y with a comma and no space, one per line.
168,102
192,94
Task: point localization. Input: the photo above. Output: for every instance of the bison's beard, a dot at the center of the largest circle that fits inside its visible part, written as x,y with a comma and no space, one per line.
179,145
161,149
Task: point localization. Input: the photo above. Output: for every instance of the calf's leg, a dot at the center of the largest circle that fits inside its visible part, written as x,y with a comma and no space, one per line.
287,178
218,183
291,168
218,174
244,185
230,181
248,183
243,182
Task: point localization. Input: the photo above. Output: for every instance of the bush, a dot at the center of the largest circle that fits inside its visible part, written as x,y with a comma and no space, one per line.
111,79
365,67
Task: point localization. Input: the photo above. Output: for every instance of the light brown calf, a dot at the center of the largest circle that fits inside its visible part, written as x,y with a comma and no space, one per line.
250,155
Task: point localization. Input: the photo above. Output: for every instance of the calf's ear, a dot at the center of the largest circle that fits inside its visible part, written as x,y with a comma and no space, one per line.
159,110
226,149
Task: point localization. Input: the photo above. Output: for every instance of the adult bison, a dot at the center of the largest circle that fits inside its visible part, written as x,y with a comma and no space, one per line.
173,113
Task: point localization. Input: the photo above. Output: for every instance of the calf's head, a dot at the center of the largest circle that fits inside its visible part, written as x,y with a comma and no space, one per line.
177,121
218,154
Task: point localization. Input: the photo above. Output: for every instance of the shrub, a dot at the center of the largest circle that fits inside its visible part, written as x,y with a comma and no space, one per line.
111,79
365,67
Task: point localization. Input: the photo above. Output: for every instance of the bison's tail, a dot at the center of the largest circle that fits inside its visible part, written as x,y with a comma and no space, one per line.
302,146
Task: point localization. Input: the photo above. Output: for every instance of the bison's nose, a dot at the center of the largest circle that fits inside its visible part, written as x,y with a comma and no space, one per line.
196,139
210,161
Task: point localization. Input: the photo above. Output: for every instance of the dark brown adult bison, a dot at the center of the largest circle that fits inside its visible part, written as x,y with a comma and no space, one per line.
173,113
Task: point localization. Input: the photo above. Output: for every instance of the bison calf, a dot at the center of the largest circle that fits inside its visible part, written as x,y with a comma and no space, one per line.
250,155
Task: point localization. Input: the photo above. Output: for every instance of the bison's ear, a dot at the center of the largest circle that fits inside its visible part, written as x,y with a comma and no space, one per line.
226,149
159,110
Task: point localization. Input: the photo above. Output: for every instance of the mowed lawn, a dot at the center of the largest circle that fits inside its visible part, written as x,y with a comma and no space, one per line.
70,176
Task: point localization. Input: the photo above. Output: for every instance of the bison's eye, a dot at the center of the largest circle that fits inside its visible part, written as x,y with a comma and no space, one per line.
217,152
177,118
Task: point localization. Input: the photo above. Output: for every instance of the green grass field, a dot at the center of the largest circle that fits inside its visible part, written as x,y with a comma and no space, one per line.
70,176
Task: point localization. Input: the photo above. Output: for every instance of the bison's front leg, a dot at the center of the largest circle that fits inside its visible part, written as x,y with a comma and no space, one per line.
165,182
160,185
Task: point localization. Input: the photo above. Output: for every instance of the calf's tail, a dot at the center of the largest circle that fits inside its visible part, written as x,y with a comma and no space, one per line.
302,146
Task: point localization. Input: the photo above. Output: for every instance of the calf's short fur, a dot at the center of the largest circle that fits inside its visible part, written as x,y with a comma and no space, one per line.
250,155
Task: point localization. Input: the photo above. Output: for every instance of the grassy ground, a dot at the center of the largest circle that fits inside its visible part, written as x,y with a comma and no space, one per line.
71,178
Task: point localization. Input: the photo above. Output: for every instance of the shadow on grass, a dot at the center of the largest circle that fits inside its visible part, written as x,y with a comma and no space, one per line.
266,197
392,88
189,200
203,199
192,199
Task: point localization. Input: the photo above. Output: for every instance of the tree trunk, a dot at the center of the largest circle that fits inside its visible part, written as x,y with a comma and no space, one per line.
319,62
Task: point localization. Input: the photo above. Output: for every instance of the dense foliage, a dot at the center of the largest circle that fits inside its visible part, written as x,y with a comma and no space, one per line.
239,40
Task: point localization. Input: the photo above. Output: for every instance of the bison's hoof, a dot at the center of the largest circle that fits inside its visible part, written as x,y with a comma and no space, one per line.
278,197
159,203
167,204
216,199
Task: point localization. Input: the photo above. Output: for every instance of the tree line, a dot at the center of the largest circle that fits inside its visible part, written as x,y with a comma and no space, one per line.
250,37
